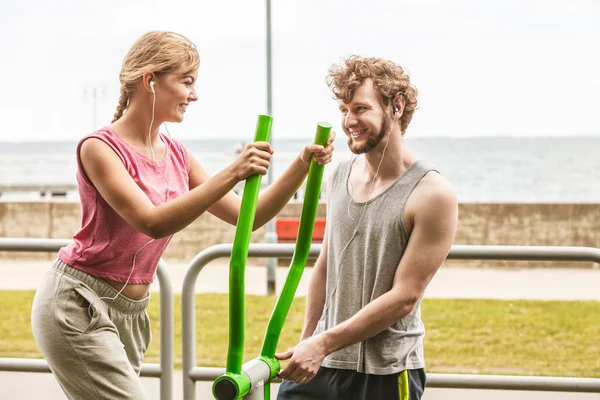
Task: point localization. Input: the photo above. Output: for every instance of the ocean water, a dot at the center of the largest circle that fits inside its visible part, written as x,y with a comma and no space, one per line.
497,169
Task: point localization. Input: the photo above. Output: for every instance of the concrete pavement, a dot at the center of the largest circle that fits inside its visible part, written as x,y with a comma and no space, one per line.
18,386
449,282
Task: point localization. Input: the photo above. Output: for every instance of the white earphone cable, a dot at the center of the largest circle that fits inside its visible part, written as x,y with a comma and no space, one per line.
356,224
166,199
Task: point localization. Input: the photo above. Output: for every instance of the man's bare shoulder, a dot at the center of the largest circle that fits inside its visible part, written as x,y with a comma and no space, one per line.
433,193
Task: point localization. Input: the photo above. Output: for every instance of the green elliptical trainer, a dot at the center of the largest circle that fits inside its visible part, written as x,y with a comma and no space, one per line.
253,379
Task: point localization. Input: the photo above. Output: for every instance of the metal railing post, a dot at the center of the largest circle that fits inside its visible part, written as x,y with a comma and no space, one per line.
192,373
164,370
167,321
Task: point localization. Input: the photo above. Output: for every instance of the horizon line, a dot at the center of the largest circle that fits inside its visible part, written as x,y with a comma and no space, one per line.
184,138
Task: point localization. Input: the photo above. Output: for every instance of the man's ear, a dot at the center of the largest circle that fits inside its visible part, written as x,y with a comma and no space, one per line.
398,106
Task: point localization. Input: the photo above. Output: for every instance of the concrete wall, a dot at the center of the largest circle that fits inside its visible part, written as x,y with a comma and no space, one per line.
528,225
492,224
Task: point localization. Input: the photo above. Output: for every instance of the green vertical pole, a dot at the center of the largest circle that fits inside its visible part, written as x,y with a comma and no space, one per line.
302,249
239,254
235,384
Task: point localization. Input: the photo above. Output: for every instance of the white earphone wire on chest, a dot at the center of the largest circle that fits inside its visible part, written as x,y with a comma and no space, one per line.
356,223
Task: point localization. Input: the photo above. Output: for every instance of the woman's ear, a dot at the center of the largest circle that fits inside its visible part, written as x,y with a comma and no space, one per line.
148,81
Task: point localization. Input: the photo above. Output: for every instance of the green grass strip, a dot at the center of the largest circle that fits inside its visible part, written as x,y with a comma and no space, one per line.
546,338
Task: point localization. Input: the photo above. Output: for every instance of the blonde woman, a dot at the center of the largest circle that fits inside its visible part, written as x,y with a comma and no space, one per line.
138,187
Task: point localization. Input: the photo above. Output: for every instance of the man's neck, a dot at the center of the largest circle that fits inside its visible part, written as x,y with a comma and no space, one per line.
388,160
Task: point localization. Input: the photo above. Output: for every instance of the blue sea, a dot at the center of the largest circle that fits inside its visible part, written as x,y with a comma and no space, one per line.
496,169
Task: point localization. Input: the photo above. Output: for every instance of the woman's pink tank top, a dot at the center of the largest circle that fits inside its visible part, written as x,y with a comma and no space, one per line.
106,244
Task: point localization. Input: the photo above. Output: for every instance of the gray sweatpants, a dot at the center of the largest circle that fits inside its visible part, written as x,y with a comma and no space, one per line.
95,352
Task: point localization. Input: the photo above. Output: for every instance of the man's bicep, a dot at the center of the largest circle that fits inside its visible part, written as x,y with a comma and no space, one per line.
429,244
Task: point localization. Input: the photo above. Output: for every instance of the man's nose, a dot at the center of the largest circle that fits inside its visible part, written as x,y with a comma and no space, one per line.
349,120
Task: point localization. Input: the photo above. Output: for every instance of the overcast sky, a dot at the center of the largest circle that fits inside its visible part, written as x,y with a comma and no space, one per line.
483,68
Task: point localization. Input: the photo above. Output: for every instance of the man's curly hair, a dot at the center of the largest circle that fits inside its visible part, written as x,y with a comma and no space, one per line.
389,80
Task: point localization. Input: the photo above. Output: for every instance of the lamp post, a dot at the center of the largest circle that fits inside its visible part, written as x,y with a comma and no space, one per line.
271,235
95,91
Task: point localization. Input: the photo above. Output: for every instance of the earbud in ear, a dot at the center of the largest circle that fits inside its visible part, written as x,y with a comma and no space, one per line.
152,86
395,108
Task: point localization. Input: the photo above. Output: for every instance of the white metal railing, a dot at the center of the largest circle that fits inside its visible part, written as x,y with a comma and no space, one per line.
192,373
163,370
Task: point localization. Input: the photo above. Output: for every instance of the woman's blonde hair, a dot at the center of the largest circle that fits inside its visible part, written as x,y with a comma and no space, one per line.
160,53
389,80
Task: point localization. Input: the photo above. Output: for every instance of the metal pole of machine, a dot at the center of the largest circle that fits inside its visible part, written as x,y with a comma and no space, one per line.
271,235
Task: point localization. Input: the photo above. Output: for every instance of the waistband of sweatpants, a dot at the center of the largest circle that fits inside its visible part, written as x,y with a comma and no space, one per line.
109,294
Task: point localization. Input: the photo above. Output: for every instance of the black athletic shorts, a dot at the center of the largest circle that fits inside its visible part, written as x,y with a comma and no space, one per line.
341,384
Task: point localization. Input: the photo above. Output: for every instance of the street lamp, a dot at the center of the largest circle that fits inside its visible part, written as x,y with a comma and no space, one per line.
271,236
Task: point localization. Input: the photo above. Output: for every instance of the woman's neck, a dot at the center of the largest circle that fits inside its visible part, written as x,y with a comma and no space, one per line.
134,126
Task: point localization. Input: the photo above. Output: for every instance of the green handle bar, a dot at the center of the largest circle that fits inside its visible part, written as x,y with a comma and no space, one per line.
239,254
302,249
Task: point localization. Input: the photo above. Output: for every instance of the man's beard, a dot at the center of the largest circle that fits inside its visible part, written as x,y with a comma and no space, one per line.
372,141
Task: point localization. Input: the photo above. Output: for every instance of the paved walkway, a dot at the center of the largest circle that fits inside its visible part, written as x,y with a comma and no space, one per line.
450,282
18,386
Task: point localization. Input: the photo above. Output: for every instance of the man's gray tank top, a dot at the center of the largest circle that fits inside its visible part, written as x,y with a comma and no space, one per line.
366,271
